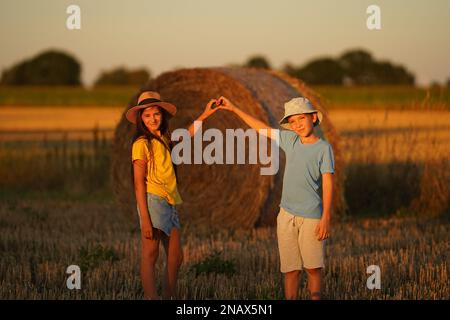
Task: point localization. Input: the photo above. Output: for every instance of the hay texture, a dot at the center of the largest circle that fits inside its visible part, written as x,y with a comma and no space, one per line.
227,195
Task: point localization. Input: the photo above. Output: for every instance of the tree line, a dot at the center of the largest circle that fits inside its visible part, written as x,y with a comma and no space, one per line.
353,67
60,68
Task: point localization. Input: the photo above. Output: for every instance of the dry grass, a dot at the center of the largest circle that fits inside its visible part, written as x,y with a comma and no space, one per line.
383,136
396,160
41,238
20,123
65,165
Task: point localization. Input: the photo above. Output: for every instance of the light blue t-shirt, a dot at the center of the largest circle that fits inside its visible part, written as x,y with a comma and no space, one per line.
302,182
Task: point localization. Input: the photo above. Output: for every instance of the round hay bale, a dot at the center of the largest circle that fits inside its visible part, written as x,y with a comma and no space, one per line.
228,195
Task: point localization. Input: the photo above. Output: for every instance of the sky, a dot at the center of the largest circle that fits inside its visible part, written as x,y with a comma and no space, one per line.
162,35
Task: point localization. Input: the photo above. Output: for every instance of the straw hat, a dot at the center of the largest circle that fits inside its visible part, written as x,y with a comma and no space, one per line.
298,105
149,99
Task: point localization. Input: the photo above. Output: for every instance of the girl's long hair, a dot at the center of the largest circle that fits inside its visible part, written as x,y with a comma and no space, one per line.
142,131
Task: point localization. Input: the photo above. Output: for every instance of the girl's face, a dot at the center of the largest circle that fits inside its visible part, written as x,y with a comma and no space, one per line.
303,124
152,118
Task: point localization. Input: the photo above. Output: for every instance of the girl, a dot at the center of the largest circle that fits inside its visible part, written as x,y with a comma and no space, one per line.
156,190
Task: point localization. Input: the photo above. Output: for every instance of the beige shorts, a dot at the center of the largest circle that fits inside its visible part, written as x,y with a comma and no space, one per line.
297,242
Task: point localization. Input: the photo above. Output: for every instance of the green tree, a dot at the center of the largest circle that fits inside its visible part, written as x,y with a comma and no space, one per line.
259,62
290,70
122,76
322,71
48,68
387,73
358,66
361,69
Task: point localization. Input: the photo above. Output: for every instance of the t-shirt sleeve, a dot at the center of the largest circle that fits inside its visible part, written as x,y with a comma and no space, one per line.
284,137
139,150
327,161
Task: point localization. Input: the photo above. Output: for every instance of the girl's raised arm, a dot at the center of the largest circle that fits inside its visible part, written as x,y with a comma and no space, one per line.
206,113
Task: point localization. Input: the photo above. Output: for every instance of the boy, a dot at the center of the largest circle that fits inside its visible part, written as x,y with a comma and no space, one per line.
303,222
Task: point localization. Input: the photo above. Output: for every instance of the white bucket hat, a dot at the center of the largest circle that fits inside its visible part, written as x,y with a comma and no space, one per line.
298,105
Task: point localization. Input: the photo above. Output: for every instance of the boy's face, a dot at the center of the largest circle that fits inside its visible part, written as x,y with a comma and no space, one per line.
303,124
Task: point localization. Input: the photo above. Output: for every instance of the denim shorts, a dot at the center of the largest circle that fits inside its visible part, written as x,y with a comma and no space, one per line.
164,216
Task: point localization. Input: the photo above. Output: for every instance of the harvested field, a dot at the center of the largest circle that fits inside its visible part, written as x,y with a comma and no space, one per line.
41,238
57,209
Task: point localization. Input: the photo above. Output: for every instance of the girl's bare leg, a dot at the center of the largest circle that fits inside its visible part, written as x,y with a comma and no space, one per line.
149,256
174,253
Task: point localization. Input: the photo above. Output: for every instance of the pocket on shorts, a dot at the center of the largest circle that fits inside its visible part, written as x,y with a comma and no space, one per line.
154,197
285,221
281,213
284,216
157,202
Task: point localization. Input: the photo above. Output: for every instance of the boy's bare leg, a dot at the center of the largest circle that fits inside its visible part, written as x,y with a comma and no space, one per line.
314,282
291,280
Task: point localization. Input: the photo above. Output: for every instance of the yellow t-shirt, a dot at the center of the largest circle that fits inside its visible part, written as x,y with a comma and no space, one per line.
161,179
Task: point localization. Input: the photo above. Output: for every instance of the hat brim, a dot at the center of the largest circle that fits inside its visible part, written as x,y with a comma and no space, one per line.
285,124
132,112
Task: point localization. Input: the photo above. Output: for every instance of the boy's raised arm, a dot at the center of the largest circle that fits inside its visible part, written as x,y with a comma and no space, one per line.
248,119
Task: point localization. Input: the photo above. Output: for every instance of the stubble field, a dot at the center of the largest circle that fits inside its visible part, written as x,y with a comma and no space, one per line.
57,209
